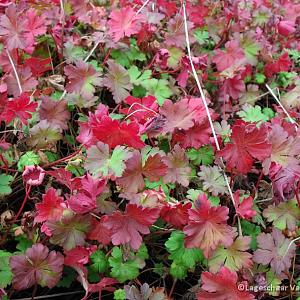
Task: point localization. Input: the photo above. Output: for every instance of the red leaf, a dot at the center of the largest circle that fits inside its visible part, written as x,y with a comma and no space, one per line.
12,28
28,82
233,87
103,285
244,207
232,55
132,179
223,286
124,22
178,167
20,107
207,227
100,232
286,27
127,227
91,186
114,133
276,250
176,214
137,109
38,66
65,177
70,231
37,266
282,64
55,112
82,203
51,208
247,142
178,115
78,256
194,137
154,167
35,25
85,200
82,79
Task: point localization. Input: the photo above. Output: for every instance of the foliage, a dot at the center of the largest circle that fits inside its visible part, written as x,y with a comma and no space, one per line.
183,259
146,146
5,181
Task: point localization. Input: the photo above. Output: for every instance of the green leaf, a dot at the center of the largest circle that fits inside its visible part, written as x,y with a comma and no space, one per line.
5,181
119,294
259,78
23,242
159,268
28,159
286,78
201,36
77,170
178,270
250,47
234,257
252,114
70,231
142,252
5,271
74,53
268,112
126,57
120,269
99,262
69,275
214,201
213,180
260,17
158,88
138,91
204,155
175,55
273,281
252,230
51,156
295,56
93,276
183,258
285,215
137,77
100,163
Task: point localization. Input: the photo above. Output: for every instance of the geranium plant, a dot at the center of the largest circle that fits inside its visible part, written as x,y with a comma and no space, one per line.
149,149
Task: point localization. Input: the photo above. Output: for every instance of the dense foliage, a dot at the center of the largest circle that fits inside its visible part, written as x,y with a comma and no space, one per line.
150,150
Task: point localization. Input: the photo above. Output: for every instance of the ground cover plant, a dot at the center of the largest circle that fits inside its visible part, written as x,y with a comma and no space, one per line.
149,149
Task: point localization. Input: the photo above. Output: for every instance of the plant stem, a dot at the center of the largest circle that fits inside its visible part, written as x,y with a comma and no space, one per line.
34,291
54,163
204,100
15,71
282,107
172,288
27,189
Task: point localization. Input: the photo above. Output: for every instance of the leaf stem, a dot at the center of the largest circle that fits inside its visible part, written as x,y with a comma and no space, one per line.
172,288
27,189
54,163
204,101
141,8
290,244
280,104
15,71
